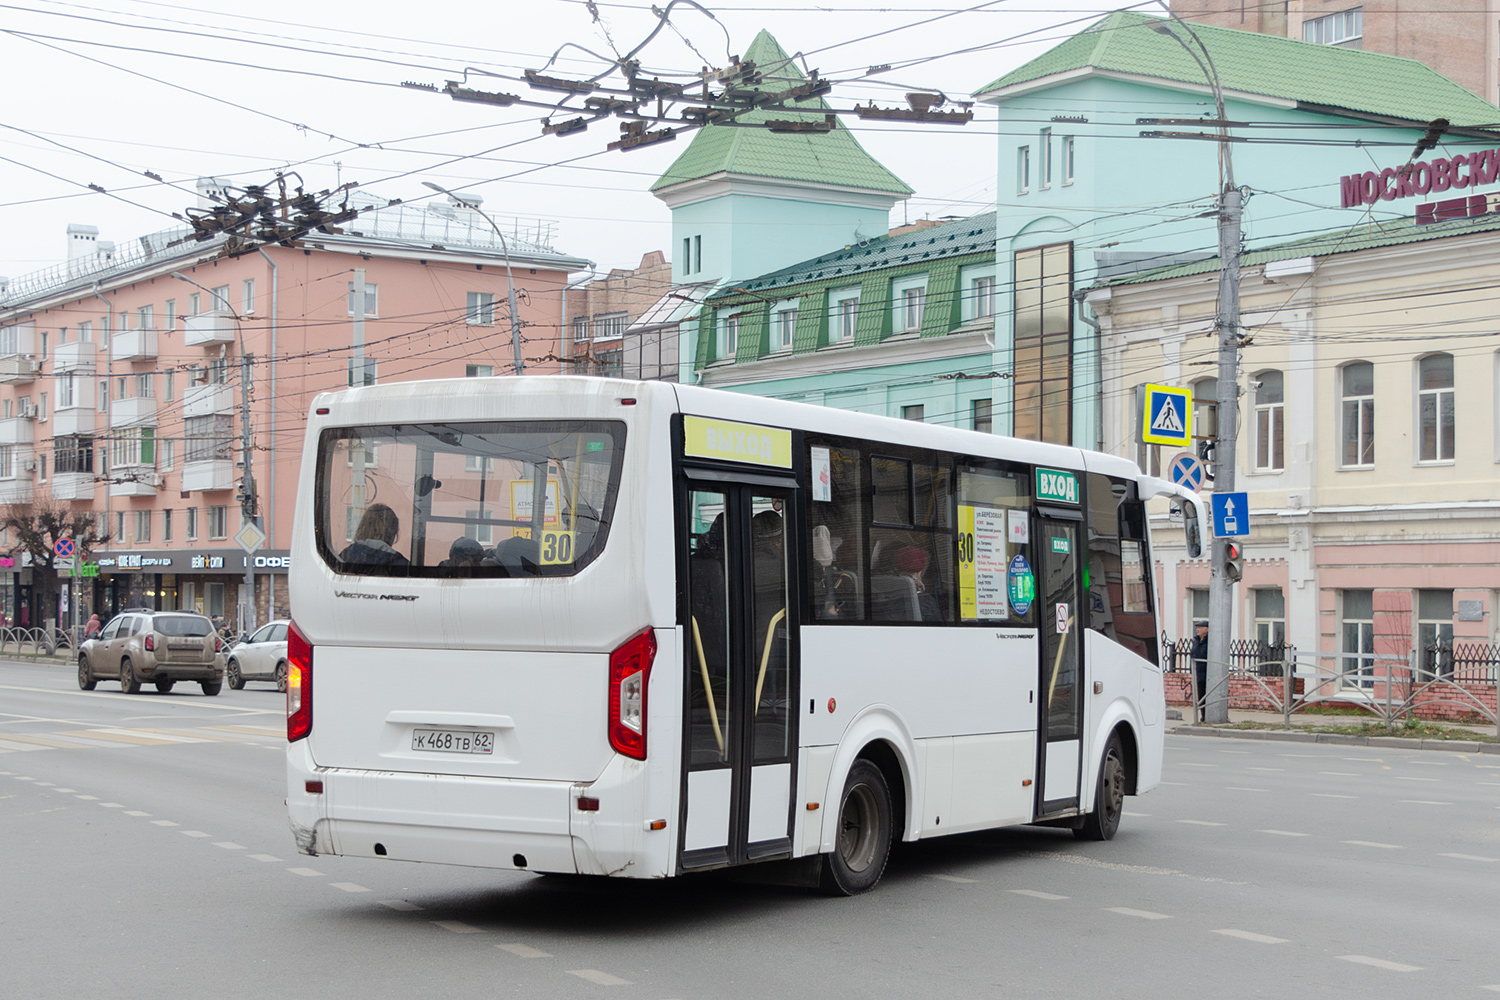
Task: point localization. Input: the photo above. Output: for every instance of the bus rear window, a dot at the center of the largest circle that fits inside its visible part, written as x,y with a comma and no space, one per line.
485,499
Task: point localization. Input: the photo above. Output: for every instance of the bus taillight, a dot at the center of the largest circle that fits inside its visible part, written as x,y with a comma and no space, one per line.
629,673
299,661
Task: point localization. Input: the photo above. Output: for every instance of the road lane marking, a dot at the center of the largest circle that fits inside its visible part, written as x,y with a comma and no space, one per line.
265,857
164,822
1379,963
20,777
1242,788
1330,795
87,798
1341,774
179,736
228,845
1422,802
1180,784
45,784
1372,843
1126,911
399,904
1278,769
18,741
125,736
1137,815
1469,857
1284,833
306,872
1036,894
279,731
951,878
110,805
1251,936
601,978
524,950
1402,777
1199,822
349,886
1191,764
67,791
1246,752
458,927
194,833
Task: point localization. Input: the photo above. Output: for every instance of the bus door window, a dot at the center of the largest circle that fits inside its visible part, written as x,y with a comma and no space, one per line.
708,625
1117,575
1060,626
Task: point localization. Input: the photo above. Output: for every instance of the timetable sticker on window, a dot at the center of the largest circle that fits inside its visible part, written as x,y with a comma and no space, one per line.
981,565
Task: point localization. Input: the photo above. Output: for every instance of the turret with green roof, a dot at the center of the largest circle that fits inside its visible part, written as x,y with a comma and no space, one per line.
746,200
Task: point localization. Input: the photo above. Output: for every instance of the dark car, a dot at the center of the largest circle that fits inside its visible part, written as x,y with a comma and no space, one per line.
154,647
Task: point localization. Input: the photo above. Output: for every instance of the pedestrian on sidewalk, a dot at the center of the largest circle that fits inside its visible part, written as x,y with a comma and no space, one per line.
92,628
1200,666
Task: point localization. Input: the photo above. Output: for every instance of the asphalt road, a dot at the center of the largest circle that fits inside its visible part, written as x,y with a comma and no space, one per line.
148,856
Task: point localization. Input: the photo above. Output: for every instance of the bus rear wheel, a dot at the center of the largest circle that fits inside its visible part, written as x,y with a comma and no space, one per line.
862,844
1109,797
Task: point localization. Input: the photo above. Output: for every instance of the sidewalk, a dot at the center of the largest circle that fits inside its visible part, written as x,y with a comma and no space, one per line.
1304,730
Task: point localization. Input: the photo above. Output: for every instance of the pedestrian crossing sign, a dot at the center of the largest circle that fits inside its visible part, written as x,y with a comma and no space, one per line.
1167,417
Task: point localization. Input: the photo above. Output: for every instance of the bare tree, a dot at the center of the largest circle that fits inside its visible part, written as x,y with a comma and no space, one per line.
36,527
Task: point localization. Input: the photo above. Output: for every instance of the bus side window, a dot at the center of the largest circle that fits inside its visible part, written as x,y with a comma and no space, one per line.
834,565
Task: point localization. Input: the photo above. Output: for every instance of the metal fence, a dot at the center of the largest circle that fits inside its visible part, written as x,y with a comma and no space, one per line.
1461,662
1247,657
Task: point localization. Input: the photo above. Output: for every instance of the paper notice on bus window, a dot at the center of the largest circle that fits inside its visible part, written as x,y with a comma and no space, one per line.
981,564
822,475
1020,526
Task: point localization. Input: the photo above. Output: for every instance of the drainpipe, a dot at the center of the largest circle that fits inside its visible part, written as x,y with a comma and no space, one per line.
1098,366
271,507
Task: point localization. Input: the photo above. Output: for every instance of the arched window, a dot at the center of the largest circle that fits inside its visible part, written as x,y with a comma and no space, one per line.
1357,416
1435,408
1270,431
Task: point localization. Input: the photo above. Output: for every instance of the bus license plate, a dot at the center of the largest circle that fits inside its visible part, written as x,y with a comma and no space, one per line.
453,741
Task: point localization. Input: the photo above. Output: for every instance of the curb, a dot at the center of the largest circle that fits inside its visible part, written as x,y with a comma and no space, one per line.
1295,736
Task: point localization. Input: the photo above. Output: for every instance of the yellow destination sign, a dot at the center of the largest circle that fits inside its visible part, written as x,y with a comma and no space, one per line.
727,441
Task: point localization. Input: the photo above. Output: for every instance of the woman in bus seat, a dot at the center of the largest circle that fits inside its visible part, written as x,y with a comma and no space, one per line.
912,562
378,528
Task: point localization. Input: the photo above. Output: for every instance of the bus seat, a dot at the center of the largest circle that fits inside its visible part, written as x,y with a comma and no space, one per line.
894,599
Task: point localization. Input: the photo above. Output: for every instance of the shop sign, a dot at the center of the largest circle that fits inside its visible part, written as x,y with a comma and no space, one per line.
88,569
1455,173
131,561
207,562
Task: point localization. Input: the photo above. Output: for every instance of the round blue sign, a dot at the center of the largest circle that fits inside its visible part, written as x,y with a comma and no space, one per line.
1022,585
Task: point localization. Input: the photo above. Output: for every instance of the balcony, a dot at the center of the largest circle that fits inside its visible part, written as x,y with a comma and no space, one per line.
75,357
133,345
135,482
17,490
73,486
213,474
208,329
73,420
17,430
19,368
137,412
207,400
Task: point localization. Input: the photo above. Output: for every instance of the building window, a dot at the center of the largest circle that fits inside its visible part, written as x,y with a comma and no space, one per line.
1435,408
581,330
219,298
7,462
1358,639
103,395
372,299
982,415
912,300
166,526
1335,29
67,392
171,388
784,329
41,406
1044,165
1067,160
192,524
133,446
218,522
697,254
1198,600
73,454
845,316
195,304
1435,631
41,468
42,348
171,323
1358,414
984,298
729,337
478,371
145,316
247,296
1270,420
168,454
917,412
120,526
1023,169
481,309
1043,356
484,534
1270,616
687,255
208,438
143,525
143,386
611,326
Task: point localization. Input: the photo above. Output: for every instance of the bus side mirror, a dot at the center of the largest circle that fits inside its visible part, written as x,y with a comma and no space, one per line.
1192,530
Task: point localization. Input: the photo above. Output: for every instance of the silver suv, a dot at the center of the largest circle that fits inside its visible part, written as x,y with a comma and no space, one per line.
153,647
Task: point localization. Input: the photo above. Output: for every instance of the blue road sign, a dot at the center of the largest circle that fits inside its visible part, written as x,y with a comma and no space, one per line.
1231,514
1168,416
1186,470
63,547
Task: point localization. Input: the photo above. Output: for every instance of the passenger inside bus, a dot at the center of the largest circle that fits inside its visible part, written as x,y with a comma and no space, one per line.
378,528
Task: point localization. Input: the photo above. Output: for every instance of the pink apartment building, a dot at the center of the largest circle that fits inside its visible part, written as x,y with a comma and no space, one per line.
128,375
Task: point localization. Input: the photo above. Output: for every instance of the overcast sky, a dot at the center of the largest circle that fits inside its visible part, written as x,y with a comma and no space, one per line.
104,94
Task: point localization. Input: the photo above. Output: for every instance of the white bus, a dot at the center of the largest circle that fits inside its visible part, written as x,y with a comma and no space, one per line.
641,629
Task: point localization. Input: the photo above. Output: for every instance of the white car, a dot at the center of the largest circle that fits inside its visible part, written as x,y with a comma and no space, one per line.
262,657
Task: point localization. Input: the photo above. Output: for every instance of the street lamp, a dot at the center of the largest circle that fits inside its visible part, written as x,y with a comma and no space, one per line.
1226,328
510,278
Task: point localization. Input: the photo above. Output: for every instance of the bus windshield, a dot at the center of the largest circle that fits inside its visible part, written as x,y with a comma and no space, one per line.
472,499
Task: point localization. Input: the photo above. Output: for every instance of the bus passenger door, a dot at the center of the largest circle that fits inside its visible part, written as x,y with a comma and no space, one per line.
1060,695
742,619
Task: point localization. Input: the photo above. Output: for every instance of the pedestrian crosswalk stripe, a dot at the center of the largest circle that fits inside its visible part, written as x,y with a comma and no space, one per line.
125,736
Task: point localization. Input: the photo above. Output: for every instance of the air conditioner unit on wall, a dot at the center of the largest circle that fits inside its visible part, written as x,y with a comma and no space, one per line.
28,410
29,464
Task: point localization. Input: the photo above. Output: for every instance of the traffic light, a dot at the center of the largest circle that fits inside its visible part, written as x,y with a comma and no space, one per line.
1234,560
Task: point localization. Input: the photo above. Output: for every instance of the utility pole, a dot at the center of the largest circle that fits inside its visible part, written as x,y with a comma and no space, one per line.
247,491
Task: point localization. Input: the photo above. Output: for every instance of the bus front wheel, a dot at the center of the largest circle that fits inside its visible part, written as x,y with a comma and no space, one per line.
1109,797
862,843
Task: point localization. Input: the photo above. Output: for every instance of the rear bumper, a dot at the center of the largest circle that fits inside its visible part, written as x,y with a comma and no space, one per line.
180,672
481,822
